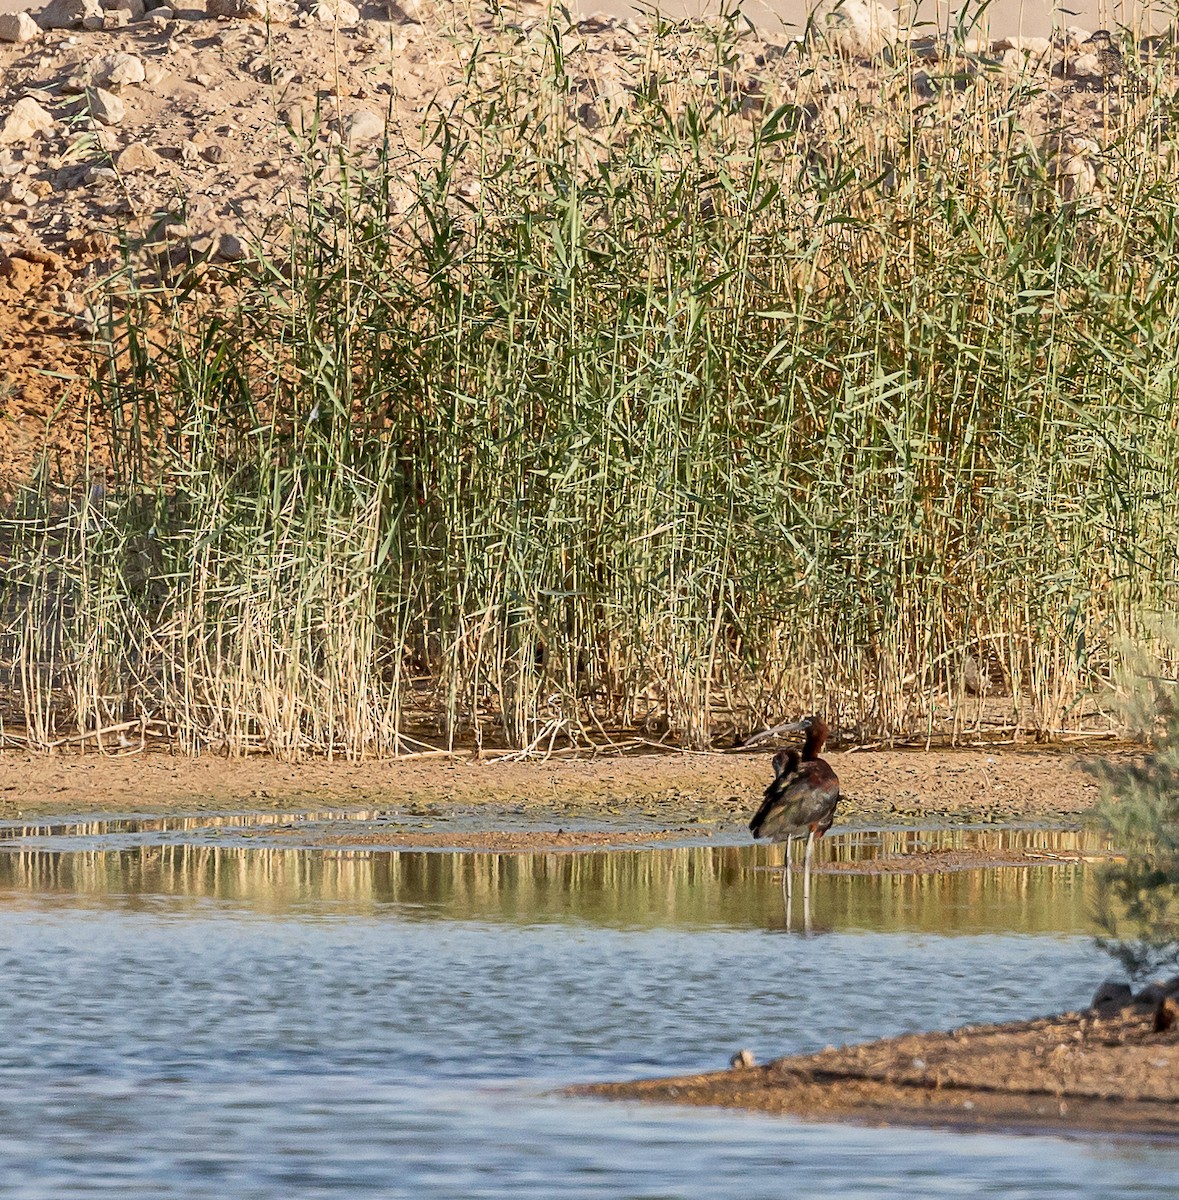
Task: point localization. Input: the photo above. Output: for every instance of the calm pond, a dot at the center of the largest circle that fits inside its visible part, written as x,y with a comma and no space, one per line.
183,1019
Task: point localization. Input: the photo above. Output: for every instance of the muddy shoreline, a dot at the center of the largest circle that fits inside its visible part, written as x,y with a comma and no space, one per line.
1074,1073
647,792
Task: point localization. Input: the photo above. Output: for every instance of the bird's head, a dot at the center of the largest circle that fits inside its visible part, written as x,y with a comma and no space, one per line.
816,730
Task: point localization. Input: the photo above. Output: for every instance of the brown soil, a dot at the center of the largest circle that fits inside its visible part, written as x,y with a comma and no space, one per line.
1073,1072
46,365
671,790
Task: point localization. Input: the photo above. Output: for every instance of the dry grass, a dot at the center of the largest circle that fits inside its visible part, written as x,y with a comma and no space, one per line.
673,391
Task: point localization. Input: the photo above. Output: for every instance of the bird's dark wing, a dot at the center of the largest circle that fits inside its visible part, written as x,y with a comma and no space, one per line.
794,803
786,763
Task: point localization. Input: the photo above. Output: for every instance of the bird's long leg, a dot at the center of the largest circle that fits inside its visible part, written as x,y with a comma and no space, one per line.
806,868
787,887
787,882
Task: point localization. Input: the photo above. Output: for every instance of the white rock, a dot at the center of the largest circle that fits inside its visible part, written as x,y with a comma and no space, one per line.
18,27
257,10
854,28
336,12
1033,47
114,71
363,126
70,14
105,107
26,120
1074,175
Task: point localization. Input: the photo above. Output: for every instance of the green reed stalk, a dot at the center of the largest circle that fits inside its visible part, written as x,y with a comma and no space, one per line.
723,407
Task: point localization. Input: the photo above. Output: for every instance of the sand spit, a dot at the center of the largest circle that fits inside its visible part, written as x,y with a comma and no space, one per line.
1078,1072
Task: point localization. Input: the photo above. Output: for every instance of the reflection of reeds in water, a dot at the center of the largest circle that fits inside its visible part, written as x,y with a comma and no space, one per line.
692,887
895,843
100,826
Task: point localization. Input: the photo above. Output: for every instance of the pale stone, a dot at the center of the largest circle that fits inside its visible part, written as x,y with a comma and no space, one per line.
26,119
1074,175
336,12
17,191
363,126
257,10
138,157
854,28
597,22
115,71
105,107
69,14
18,27
1033,47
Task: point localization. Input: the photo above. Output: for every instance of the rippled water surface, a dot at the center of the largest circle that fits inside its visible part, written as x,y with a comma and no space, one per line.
207,1021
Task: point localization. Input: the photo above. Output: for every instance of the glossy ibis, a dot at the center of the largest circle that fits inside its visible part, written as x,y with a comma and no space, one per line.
801,799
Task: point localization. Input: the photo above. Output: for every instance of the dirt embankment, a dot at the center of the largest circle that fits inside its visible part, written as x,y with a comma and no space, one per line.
1078,1071
880,787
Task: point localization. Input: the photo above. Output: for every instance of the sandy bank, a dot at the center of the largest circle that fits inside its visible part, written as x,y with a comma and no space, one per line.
882,786
1076,1072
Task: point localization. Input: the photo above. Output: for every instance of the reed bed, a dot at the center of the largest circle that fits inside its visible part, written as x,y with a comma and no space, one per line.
657,400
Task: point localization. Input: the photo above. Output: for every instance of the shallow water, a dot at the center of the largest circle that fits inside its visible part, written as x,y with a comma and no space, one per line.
192,1020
